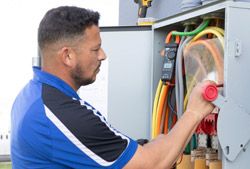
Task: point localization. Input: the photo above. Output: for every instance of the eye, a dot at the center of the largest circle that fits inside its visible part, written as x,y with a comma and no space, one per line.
96,50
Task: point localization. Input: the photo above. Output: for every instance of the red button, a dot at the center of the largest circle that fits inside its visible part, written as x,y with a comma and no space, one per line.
210,92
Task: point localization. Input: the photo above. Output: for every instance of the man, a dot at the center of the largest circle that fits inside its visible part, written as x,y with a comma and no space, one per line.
52,128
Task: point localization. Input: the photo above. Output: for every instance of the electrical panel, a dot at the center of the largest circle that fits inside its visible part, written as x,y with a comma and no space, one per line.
233,120
225,135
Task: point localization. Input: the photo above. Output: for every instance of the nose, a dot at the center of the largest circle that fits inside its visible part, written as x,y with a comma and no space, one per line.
102,55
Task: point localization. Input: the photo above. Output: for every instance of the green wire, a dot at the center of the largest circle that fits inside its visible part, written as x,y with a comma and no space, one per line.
192,144
194,141
194,32
188,149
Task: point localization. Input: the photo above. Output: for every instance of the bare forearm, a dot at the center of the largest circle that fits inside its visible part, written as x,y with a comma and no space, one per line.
163,151
168,147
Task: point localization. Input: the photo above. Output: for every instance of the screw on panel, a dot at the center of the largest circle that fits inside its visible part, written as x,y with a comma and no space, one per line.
238,48
243,148
227,150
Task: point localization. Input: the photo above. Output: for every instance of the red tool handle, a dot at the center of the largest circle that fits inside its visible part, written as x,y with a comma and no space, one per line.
210,92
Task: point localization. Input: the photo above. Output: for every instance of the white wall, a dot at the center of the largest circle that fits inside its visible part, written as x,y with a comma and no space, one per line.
19,20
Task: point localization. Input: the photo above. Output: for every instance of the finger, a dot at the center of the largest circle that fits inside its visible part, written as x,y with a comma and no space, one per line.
207,82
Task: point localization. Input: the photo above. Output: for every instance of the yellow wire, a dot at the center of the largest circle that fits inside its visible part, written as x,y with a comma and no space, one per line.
190,88
159,110
207,31
220,30
156,99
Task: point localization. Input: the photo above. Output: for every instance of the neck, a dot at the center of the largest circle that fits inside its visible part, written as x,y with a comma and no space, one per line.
62,74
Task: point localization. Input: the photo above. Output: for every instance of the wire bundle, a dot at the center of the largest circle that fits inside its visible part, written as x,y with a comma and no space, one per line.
167,108
164,113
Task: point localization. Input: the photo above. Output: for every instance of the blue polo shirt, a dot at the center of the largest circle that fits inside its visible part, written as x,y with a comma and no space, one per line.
52,128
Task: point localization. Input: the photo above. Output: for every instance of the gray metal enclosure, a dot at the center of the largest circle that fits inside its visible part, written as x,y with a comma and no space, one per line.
129,78
234,117
135,66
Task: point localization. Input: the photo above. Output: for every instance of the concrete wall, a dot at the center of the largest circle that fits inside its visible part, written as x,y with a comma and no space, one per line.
159,9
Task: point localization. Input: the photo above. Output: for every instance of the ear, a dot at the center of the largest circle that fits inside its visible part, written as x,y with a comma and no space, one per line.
68,57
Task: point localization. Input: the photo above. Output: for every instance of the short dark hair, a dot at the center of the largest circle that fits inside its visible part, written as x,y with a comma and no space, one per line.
65,22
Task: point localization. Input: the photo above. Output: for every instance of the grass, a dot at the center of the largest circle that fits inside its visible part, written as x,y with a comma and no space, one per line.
5,165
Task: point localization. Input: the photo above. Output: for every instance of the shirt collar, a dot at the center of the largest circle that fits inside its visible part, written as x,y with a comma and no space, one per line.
49,79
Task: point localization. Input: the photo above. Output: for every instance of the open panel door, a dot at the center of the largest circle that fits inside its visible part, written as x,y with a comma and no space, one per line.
129,54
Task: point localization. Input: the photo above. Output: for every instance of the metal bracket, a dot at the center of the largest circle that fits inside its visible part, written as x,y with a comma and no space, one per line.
233,127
